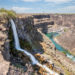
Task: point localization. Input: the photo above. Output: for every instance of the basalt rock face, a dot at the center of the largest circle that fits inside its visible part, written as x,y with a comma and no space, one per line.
41,16
61,23
11,62
45,24
26,30
4,46
59,19
63,19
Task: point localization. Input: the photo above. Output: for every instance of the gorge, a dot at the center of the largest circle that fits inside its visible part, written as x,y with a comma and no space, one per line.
30,51
58,47
34,61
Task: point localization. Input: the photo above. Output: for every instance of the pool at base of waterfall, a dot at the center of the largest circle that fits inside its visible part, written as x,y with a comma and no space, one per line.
59,47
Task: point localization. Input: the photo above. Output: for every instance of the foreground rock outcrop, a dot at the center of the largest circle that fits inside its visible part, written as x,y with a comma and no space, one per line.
4,46
12,62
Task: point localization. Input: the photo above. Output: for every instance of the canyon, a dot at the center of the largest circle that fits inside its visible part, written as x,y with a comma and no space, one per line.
31,29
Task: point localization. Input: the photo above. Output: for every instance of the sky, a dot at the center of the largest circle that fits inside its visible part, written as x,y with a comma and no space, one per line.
39,6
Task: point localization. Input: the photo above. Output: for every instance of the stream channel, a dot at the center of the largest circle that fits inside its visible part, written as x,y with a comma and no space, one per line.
51,36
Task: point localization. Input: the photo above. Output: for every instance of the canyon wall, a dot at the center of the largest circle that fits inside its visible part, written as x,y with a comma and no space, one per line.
45,24
4,46
39,42
27,30
63,19
64,23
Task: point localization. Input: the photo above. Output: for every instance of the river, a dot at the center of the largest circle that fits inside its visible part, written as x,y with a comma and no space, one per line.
59,47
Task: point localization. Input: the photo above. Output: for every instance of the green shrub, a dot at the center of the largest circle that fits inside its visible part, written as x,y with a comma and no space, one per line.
65,30
10,13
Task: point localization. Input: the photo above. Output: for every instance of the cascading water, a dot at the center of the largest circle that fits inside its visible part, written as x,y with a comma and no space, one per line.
34,61
17,44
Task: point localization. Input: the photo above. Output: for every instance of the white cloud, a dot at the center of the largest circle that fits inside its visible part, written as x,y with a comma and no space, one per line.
20,9
68,9
55,1
30,0
58,1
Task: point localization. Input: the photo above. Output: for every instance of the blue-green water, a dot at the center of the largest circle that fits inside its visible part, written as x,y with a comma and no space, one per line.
58,47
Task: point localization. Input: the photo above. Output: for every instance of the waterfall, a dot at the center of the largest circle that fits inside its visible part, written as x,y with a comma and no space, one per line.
17,44
32,58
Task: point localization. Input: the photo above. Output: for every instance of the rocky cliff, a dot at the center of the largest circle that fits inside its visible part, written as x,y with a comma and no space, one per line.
32,39
39,42
63,23
56,21
4,46
63,19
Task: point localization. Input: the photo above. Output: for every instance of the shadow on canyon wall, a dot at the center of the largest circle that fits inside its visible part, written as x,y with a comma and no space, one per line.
43,22
44,26
27,31
41,16
29,37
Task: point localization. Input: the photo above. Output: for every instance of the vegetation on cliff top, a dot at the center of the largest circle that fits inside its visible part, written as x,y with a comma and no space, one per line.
9,13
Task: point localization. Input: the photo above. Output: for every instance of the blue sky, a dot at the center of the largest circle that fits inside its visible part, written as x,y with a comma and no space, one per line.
39,6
